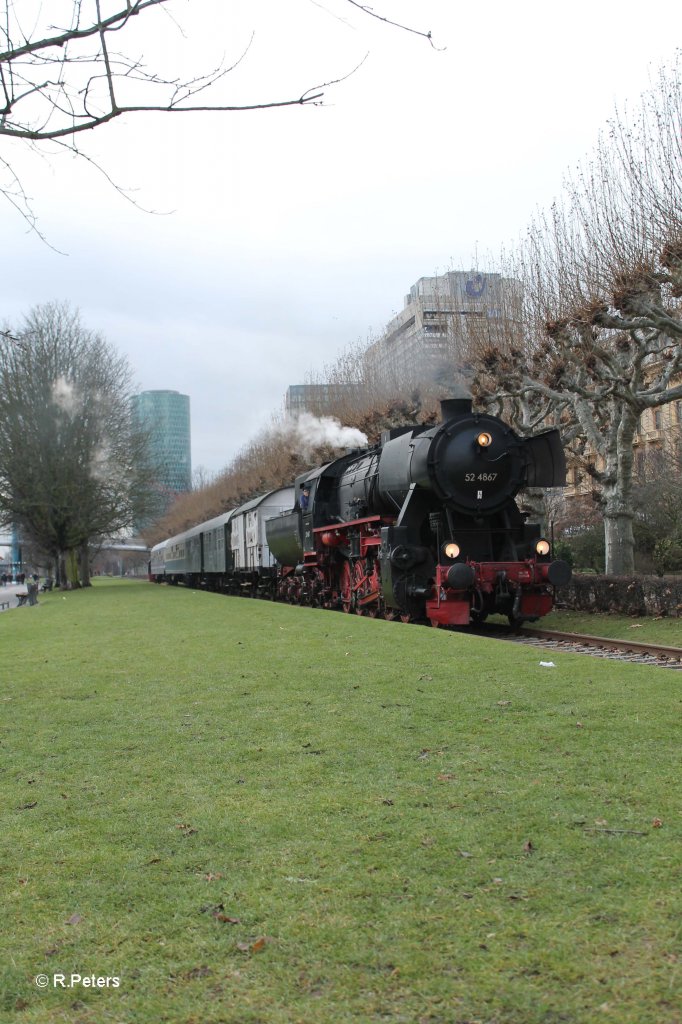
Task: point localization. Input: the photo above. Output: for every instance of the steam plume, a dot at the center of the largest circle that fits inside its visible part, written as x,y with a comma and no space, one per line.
64,396
308,432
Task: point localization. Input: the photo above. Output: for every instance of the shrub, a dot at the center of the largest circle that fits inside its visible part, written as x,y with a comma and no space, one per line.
588,548
562,549
667,555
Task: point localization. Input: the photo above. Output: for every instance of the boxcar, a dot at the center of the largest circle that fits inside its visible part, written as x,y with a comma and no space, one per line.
250,551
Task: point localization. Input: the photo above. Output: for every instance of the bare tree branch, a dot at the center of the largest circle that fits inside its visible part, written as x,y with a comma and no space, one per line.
71,79
366,9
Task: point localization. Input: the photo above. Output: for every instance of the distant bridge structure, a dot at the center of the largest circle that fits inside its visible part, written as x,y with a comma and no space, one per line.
121,557
115,550
121,545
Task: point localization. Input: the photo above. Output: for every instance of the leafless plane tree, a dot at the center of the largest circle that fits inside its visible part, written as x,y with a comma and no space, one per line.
600,337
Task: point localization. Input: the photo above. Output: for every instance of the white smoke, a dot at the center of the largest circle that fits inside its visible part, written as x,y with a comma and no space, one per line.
307,432
64,396
106,468
100,463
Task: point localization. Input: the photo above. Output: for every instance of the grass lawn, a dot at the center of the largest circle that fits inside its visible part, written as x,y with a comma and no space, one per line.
646,629
257,814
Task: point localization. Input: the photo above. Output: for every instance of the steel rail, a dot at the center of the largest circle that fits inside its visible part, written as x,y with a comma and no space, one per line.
609,643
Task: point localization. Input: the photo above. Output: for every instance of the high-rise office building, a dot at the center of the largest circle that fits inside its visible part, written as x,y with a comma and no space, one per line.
317,399
166,415
428,340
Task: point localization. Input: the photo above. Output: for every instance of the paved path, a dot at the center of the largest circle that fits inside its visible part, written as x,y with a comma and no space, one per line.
9,593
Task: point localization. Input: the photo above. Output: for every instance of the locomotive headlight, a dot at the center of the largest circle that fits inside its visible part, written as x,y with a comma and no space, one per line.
450,549
484,440
542,546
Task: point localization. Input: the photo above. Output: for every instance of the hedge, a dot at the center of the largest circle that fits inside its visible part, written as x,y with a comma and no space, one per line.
627,595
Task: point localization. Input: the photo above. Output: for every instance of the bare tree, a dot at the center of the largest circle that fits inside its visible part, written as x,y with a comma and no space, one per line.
69,67
73,463
601,333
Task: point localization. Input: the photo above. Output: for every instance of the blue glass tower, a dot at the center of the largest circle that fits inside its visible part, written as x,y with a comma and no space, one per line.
166,415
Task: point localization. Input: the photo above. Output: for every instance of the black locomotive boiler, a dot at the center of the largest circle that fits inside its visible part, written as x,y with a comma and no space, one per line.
424,525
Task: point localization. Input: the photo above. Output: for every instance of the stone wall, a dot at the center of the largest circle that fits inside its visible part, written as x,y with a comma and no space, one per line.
626,595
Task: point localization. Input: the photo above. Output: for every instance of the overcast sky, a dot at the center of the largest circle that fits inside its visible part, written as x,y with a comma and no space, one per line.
282,236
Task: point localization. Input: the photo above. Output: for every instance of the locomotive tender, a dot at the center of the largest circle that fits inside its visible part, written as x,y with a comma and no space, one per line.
422,526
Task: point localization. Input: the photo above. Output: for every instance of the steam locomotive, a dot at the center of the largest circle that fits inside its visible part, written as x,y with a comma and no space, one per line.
422,527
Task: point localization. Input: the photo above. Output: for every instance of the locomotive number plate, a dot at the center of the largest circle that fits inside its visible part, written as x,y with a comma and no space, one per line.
487,478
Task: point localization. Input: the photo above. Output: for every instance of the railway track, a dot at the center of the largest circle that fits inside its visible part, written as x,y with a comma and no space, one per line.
598,646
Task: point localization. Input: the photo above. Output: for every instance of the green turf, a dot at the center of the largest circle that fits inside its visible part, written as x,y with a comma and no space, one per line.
248,813
646,628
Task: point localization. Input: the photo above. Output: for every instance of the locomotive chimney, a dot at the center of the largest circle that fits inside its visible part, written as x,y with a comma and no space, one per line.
452,408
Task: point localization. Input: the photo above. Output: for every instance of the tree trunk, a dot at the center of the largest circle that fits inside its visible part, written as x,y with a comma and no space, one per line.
61,577
619,539
72,570
84,564
617,495
532,501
